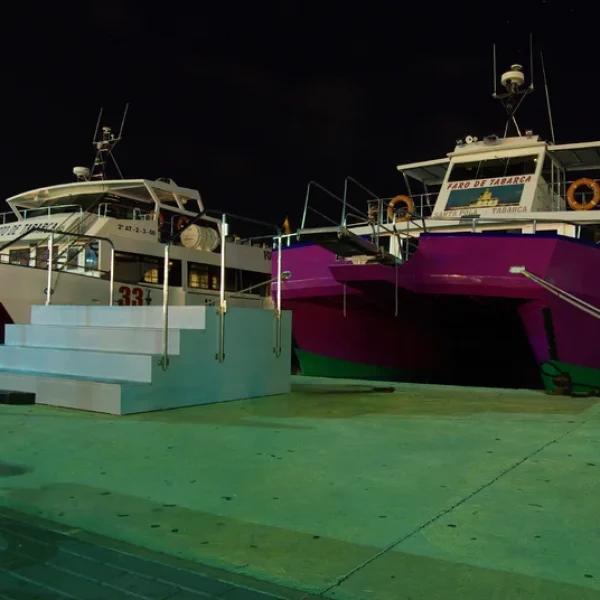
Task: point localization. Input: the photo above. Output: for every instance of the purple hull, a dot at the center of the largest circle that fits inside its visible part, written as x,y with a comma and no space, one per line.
355,331
451,290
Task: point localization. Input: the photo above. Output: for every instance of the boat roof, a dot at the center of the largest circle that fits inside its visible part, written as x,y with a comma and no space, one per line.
429,172
142,190
579,156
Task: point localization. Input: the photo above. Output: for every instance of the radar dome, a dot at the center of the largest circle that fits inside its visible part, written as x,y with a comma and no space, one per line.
82,173
512,80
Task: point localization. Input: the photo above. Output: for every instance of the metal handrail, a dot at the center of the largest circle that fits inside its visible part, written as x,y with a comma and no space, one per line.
573,300
222,310
51,233
163,362
222,300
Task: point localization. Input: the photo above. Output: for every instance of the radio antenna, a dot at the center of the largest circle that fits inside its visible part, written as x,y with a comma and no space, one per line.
548,99
494,67
105,145
531,61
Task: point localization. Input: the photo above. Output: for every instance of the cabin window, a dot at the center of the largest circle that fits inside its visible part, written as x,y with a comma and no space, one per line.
238,280
73,253
207,277
493,168
91,257
20,256
140,268
41,256
203,277
589,233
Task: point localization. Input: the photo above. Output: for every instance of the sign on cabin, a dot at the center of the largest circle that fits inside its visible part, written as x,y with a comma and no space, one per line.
131,228
491,196
15,229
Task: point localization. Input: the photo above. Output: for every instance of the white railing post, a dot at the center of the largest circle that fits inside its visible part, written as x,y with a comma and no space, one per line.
222,301
164,360
49,278
277,348
112,274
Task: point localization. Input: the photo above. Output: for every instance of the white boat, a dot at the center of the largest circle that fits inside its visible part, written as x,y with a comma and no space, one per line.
105,241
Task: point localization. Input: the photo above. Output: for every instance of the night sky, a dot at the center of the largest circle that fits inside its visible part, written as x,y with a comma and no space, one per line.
247,102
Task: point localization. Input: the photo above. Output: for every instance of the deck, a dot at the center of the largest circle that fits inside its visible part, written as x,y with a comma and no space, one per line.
334,489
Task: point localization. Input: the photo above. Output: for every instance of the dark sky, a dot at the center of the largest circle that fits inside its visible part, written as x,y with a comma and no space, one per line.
247,102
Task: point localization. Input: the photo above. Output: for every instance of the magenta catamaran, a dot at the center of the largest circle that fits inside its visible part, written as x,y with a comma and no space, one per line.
484,273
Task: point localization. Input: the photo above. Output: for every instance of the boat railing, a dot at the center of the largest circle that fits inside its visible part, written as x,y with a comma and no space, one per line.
135,213
47,211
222,309
51,259
8,217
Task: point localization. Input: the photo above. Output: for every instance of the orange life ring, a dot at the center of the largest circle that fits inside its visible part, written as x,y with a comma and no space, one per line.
182,222
410,209
593,185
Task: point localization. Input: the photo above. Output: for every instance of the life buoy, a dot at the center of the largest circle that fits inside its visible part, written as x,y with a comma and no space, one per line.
182,222
410,209
593,185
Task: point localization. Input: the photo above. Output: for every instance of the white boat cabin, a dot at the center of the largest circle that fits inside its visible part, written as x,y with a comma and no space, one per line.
138,216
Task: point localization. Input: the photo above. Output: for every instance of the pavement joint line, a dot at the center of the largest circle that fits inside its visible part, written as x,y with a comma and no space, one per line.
446,511
36,584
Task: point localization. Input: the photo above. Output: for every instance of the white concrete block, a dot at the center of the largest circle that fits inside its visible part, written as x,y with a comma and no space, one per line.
105,339
77,363
145,317
92,396
15,382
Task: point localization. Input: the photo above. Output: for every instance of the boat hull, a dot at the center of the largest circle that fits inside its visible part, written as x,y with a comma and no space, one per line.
462,279
342,332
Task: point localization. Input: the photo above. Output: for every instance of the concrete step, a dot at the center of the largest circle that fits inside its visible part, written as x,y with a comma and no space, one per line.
79,394
106,339
144,317
77,363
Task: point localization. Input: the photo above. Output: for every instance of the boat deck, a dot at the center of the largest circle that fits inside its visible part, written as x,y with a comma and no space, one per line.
424,493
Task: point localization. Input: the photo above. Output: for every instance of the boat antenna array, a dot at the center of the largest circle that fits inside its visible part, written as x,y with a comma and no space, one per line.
513,81
104,141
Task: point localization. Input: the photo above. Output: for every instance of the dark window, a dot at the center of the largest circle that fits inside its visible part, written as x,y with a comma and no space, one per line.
492,168
207,277
20,256
203,277
41,256
140,268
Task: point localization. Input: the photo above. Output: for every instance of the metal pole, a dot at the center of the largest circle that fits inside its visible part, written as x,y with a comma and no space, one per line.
164,361
343,223
222,302
50,259
277,348
112,275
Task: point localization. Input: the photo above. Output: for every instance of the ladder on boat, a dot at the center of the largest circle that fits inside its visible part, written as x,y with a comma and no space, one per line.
346,244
